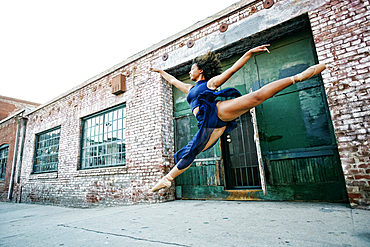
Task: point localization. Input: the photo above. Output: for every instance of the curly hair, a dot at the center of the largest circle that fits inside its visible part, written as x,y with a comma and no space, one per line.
210,64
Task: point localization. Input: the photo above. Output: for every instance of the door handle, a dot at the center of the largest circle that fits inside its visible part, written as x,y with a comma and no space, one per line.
228,138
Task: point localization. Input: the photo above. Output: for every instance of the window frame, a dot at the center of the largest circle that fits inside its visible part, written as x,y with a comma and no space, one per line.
2,167
36,156
101,152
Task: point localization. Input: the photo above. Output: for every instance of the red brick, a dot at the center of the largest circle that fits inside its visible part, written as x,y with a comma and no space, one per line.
355,195
362,177
364,166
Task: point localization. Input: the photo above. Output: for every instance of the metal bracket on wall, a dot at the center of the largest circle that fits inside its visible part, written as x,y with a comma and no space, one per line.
268,4
165,57
190,43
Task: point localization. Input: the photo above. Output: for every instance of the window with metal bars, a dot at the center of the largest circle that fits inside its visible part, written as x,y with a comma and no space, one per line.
46,152
104,139
4,149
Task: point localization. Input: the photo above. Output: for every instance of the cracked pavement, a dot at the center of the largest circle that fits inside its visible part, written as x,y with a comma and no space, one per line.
186,223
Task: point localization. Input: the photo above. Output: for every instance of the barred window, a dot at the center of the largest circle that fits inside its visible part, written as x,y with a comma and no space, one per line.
104,139
47,149
4,149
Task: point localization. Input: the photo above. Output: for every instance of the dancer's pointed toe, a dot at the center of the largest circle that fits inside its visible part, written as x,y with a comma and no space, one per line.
165,182
308,73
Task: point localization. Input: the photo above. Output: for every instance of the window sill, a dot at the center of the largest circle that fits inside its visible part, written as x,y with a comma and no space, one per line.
102,171
49,175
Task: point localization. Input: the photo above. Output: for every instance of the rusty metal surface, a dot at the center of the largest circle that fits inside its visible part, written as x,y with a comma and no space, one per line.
224,27
243,195
268,4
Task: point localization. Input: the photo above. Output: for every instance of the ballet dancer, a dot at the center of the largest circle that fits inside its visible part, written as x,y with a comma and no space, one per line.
217,117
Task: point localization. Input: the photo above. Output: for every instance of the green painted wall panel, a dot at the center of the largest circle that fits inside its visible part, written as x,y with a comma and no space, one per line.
304,170
198,175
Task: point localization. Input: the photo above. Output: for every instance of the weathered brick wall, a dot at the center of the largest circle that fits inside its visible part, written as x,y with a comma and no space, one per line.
341,31
9,106
146,148
8,131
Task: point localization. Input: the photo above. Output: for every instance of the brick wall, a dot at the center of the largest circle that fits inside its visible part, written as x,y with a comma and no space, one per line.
8,131
341,31
9,106
146,148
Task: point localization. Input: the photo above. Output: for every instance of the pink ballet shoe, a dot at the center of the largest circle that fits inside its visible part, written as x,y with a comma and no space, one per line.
165,182
308,73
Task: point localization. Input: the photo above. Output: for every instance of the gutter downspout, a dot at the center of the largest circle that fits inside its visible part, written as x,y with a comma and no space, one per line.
20,156
18,120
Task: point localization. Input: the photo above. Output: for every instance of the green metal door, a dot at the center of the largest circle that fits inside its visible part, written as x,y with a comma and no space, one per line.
295,128
297,140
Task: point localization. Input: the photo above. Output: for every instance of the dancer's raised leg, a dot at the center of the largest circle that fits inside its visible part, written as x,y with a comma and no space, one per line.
230,109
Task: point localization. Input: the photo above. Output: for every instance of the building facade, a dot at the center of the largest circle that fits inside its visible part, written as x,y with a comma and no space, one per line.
10,106
107,141
11,123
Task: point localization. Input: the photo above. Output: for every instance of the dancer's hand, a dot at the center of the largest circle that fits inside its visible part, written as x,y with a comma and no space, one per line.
260,48
185,87
154,69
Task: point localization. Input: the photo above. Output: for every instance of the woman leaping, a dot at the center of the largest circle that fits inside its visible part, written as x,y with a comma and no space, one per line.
218,117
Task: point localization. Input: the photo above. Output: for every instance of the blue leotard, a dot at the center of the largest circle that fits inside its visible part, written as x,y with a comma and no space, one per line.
199,88
207,117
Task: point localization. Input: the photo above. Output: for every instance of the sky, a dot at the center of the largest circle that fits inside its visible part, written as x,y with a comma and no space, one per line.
49,47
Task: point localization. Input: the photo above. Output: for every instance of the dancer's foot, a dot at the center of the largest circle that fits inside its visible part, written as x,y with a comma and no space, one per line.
165,182
308,73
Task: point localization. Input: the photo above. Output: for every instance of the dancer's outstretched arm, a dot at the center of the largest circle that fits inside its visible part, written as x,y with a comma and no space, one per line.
217,81
172,80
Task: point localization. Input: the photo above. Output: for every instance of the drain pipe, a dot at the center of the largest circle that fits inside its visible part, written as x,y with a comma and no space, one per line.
21,147
10,192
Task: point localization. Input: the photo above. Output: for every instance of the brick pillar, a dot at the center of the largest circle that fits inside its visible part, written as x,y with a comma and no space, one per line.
341,31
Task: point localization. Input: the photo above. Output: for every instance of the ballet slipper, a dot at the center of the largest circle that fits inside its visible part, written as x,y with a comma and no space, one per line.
308,73
165,182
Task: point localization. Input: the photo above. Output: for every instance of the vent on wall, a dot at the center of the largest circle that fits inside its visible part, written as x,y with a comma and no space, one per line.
118,84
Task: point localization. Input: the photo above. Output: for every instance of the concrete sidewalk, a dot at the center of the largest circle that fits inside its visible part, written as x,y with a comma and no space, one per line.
186,223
